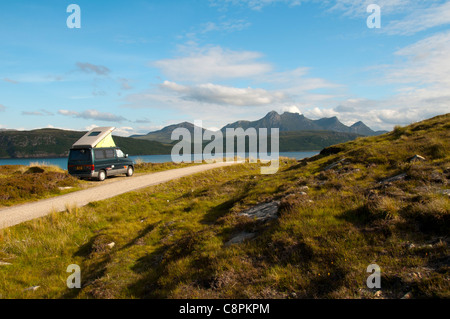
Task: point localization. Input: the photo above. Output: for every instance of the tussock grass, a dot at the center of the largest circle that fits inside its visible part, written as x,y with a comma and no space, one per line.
19,184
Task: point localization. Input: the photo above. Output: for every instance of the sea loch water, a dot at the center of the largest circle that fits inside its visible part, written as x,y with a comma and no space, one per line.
62,162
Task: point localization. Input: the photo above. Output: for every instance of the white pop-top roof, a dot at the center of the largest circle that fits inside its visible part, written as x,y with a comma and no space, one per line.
93,137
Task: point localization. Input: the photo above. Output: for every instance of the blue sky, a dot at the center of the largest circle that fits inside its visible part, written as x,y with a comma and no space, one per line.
141,65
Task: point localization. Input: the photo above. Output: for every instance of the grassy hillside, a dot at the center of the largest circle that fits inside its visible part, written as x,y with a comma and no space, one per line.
56,143
312,140
337,214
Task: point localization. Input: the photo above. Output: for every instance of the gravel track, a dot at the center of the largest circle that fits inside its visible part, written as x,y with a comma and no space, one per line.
20,213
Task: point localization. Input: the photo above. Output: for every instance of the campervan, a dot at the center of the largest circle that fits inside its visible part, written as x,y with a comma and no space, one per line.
95,155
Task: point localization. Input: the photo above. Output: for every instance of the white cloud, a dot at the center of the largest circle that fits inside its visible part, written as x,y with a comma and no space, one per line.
215,63
382,114
253,4
2,108
422,74
118,131
92,68
427,62
317,113
296,83
213,128
417,15
348,7
125,84
420,20
291,109
93,115
225,26
218,94
34,78
124,131
10,80
41,112
68,113
359,8
56,127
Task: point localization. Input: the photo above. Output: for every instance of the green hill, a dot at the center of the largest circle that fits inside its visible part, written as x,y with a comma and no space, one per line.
312,140
56,143
309,231
164,135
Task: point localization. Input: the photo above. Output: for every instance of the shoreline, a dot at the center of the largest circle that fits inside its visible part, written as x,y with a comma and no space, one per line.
66,156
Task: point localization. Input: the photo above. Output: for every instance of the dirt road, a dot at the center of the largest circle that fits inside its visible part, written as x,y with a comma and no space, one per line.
20,213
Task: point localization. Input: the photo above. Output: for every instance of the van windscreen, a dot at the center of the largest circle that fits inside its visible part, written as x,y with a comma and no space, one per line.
80,155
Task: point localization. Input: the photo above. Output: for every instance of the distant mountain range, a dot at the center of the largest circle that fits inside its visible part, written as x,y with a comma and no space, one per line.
286,122
292,122
297,133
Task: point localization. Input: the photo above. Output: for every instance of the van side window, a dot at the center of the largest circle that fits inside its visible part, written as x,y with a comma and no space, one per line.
109,153
120,153
99,154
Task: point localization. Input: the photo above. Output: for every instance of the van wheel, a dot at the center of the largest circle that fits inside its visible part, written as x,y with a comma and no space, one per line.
101,176
130,171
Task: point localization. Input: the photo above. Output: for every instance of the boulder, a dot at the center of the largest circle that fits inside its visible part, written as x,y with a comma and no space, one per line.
333,165
445,192
64,188
262,212
416,158
407,295
394,178
240,238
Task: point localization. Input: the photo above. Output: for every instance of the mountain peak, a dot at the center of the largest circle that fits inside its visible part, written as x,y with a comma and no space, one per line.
361,128
292,114
272,114
286,122
359,123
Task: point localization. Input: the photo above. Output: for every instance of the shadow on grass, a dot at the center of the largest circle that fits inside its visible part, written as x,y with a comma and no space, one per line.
89,275
324,285
152,267
158,281
220,210
148,229
95,249
360,216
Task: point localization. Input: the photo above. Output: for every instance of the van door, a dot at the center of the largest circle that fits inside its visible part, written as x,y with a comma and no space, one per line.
100,160
80,161
110,156
122,165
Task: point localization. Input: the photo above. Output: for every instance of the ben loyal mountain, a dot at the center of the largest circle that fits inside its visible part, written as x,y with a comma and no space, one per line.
286,122
290,122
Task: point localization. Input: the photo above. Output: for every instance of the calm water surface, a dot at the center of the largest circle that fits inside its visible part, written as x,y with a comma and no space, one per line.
62,162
